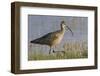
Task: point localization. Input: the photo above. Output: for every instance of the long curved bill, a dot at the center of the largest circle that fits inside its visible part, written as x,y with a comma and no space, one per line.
70,30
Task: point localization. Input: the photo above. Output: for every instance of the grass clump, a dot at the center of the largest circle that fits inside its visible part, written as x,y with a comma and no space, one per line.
71,50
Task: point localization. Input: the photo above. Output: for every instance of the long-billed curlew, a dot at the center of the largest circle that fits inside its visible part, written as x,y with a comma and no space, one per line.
53,38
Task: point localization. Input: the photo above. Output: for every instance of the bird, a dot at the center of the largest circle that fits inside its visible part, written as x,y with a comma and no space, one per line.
52,39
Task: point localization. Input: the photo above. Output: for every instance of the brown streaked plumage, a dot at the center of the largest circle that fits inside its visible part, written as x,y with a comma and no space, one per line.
52,39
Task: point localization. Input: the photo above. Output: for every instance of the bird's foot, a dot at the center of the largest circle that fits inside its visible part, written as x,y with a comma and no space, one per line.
53,51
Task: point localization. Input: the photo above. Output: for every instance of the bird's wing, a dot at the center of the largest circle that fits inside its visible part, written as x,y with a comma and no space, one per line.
46,39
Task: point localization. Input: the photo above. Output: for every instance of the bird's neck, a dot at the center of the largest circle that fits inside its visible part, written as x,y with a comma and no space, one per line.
62,30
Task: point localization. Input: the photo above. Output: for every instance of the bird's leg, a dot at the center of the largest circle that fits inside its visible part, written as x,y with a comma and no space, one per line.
50,49
53,50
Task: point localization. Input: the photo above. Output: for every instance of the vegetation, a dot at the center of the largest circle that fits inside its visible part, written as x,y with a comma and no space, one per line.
71,50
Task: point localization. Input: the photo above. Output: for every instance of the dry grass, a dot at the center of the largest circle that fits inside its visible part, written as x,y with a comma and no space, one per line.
71,50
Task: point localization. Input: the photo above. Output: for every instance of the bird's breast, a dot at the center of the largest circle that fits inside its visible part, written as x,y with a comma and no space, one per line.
57,40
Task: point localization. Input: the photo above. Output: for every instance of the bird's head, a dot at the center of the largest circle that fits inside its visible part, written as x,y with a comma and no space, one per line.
64,26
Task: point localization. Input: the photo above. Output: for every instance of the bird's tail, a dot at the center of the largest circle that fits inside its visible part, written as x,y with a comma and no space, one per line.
35,41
